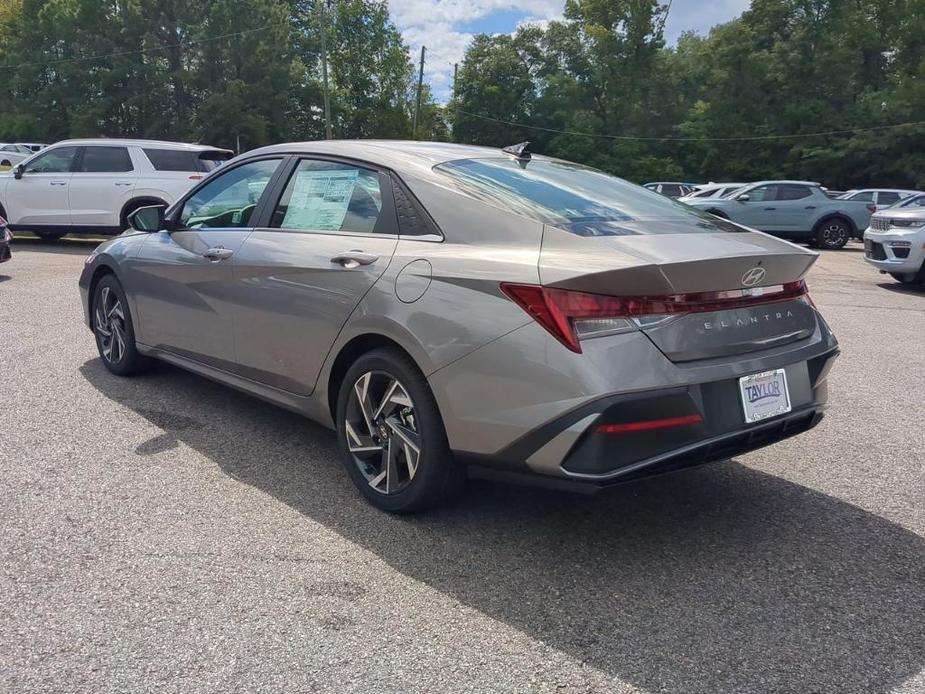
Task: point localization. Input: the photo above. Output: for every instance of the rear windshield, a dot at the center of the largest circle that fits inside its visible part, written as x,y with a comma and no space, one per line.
582,200
184,160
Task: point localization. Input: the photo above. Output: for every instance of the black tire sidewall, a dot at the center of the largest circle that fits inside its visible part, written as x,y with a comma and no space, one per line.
438,474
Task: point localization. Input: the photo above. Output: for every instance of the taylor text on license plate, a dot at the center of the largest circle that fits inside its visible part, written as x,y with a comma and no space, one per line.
764,395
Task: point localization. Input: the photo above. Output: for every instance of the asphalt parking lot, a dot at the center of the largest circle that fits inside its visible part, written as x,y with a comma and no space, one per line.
168,534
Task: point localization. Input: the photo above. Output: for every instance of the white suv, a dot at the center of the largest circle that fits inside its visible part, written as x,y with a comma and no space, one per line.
895,241
91,186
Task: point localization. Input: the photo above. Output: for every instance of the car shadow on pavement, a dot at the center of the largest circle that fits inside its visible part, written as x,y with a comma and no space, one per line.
907,289
721,579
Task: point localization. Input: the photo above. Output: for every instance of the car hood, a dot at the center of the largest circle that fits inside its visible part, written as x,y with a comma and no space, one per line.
906,213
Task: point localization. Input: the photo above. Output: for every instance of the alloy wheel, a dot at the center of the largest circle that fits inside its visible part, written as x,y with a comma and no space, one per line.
109,320
382,432
834,235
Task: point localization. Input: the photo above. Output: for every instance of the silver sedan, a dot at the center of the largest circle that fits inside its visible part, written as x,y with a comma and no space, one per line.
453,311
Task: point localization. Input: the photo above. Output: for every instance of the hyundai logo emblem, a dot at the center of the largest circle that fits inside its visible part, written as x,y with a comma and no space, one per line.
753,277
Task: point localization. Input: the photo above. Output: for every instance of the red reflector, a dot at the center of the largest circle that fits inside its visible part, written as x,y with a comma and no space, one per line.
195,177
650,424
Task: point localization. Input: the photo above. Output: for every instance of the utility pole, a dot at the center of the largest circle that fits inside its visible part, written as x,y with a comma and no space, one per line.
324,72
417,108
455,70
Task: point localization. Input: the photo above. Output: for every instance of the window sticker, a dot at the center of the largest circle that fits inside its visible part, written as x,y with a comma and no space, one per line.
320,199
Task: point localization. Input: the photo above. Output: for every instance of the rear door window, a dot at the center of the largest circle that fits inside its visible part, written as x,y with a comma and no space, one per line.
330,196
886,198
105,160
672,190
790,191
864,196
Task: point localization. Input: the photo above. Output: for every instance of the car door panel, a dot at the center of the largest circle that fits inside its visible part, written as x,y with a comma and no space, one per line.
760,210
329,238
100,186
292,298
40,197
182,296
183,280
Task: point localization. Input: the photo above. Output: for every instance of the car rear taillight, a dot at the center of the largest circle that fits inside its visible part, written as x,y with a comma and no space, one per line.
195,177
871,207
571,315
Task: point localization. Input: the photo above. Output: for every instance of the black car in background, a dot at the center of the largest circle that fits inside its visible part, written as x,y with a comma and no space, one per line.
6,236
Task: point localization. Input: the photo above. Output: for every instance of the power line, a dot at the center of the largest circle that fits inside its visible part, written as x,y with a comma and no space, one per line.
749,138
133,52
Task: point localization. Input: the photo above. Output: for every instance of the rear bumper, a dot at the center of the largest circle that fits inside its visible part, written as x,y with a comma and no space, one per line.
570,451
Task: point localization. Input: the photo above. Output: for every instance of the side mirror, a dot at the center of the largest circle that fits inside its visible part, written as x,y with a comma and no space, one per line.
18,171
744,197
147,219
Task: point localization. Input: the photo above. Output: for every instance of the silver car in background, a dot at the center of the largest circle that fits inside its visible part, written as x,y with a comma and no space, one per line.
710,191
453,310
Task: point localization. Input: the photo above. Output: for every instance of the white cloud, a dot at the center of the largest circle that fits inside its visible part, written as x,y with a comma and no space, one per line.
694,15
439,25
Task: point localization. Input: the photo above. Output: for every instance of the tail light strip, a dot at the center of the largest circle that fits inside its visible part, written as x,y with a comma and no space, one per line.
557,310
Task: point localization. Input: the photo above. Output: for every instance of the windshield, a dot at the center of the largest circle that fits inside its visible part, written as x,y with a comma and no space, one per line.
914,201
577,198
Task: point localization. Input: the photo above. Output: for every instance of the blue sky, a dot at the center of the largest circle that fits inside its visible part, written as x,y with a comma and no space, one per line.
447,26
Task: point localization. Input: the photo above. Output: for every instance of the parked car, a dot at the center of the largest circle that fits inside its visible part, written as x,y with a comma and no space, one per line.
33,146
795,210
880,197
711,191
11,154
448,307
6,238
671,189
895,241
91,186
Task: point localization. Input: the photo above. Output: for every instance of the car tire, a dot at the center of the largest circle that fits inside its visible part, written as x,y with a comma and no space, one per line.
6,162
386,410
833,234
50,235
114,330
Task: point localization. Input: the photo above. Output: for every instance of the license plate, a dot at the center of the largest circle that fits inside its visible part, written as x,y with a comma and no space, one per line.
764,395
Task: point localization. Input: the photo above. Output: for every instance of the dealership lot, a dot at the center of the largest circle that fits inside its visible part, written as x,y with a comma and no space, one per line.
165,533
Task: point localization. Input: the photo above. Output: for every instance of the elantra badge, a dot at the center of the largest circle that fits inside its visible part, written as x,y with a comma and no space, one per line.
753,277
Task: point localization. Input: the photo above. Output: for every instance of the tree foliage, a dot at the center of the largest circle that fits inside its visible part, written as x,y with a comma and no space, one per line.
216,71
784,68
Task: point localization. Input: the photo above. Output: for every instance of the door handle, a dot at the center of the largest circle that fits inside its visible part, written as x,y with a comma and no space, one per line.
218,253
810,207
354,258
123,183
769,209
59,183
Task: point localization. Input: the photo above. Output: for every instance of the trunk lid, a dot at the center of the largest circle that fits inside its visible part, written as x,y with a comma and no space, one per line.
670,264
